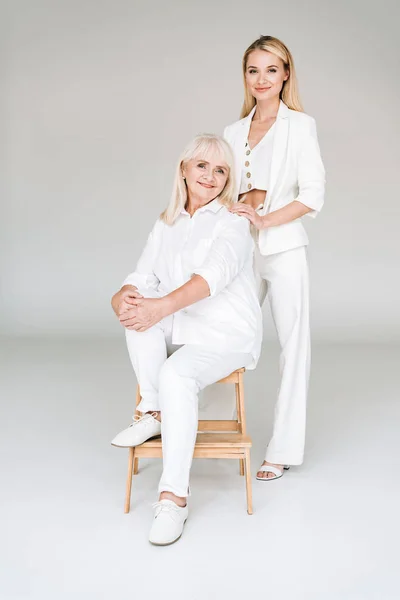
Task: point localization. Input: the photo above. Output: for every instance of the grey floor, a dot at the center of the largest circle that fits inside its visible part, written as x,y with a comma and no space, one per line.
328,530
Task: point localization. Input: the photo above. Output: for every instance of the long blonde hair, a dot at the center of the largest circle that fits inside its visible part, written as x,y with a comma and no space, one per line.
290,91
200,147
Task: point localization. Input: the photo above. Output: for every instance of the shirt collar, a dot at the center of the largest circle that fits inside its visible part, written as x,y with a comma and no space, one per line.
214,206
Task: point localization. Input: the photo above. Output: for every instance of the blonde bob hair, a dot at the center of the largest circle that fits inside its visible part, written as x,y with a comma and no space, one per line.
290,91
200,147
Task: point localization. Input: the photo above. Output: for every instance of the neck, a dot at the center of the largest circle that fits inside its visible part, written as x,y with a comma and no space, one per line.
194,203
267,109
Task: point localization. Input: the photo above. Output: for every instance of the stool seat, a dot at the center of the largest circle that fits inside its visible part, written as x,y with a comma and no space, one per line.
215,439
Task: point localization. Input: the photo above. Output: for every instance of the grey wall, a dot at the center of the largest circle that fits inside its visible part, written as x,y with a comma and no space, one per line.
98,99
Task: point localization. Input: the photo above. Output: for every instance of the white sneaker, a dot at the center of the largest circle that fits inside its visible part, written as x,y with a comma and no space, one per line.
140,430
169,519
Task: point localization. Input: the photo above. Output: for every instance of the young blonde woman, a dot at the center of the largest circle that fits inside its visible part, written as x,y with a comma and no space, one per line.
279,179
191,315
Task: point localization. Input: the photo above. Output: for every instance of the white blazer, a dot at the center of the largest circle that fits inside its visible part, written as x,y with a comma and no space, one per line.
297,173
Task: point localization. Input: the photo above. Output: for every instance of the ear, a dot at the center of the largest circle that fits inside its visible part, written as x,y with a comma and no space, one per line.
287,74
183,170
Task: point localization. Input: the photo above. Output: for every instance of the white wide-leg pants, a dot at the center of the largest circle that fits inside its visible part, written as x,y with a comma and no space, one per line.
284,278
170,378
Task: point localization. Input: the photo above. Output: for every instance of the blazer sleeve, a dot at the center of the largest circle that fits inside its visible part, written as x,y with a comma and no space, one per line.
143,277
227,256
311,172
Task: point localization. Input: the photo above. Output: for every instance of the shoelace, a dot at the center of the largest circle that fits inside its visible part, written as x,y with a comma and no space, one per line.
172,509
137,418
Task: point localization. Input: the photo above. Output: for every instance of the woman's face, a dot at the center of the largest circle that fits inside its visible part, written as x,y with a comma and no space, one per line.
205,177
265,74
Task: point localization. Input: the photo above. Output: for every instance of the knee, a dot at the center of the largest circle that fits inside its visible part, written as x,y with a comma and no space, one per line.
173,378
168,376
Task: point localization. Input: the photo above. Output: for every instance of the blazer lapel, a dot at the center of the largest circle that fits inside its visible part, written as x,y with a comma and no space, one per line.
279,147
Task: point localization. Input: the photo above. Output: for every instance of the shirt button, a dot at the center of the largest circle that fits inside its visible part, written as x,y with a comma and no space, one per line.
249,186
248,175
246,164
247,152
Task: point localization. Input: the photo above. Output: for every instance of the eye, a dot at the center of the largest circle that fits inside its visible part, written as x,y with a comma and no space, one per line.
201,165
221,171
251,71
272,70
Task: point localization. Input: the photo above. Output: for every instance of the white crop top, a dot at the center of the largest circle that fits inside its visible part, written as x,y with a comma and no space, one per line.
261,153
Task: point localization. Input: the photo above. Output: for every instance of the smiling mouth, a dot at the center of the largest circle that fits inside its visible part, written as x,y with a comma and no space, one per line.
264,89
206,185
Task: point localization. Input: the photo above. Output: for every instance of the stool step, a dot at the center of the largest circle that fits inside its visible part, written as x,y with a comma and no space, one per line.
203,440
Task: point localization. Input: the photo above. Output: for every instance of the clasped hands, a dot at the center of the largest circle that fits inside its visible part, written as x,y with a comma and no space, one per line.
136,312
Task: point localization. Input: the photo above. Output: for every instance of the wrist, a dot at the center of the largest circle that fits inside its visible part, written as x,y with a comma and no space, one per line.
166,306
266,221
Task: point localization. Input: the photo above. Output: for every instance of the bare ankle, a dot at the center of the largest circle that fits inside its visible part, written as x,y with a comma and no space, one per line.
156,414
170,496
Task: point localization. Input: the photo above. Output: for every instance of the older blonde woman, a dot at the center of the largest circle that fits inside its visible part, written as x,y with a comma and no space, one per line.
191,315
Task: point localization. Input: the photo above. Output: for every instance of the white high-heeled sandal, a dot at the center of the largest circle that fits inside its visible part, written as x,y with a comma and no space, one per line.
270,469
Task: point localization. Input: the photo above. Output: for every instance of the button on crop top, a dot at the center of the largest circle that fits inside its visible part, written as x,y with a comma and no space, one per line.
261,153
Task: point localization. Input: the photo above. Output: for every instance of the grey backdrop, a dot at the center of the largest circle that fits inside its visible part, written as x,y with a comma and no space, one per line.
98,99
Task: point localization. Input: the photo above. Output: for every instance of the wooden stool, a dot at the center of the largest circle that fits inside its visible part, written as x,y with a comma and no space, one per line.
215,439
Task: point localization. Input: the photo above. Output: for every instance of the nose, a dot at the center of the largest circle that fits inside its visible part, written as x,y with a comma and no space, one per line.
209,175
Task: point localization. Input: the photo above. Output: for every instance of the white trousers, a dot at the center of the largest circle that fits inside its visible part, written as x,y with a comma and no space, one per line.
284,278
170,378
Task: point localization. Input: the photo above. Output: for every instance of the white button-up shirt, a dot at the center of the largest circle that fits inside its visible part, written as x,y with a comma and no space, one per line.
217,245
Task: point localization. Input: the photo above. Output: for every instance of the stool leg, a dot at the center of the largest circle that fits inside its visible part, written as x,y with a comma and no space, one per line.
241,404
248,482
129,480
136,460
241,466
